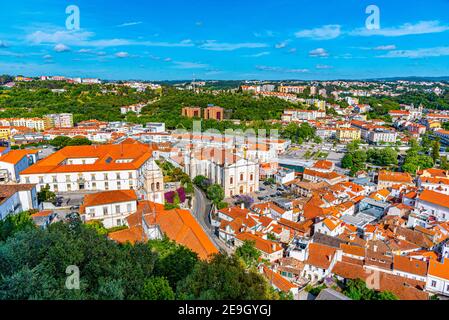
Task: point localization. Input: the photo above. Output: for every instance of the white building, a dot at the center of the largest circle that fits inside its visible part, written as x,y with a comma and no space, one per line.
235,174
377,136
433,204
99,168
61,120
438,277
284,176
110,207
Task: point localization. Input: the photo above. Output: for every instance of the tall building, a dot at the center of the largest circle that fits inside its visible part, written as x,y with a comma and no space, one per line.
61,120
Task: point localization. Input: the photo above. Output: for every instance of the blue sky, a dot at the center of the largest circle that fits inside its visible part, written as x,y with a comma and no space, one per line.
282,39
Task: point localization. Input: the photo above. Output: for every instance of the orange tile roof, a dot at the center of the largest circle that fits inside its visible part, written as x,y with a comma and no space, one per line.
409,265
323,164
108,197
440,270
353,250
320,255
402,177
132,235
179,225
105,155
278,281
266,246
43,213
14,156
435,198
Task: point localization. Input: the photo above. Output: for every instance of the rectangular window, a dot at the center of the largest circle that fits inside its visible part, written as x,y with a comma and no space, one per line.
117,209
106,185
94,186
93,177
128,207
434,283
27,180
69,187
92,213
105,211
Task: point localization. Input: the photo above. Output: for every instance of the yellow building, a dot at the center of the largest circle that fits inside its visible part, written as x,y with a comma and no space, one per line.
346,135
5,133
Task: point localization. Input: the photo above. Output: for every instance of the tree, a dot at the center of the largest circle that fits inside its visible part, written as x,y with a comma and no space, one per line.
215,193
224,278
45,195
60,141
157,288
357,290
248,253
435,150
80,141
201,182
14,223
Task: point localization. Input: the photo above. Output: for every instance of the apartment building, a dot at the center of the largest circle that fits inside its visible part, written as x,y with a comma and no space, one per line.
302,115
37,124
292,89
61,120
346,135
99,168
378,136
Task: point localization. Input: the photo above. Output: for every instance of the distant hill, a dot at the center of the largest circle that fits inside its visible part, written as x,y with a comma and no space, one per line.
431,79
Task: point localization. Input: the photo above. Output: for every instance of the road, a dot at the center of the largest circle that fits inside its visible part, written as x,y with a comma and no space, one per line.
201,209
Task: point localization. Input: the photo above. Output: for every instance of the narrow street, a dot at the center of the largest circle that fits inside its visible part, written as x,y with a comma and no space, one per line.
201,208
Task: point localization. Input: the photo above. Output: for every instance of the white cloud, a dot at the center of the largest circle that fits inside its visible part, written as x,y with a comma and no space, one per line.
327,32
61,48
85,39
386,47
281,70
418,53
319,52
323,66
217,46
265,34
70,37
122,54
47,57
281,45
421,27
189,65
128,24
257,55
